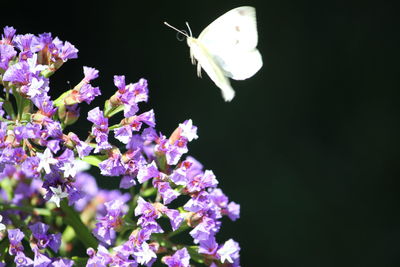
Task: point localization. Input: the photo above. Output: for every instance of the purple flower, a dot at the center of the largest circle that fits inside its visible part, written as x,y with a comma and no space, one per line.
150,225
134,123
99,129
85,183
186,171
105,228
100,259
21,260
25,43
175,218
54,145
24,191
188,130
13,155
29,167
39,158
141,91
1,110
119,82
36,88
62,263
146,209
127,182
176,150
165,190
233,211
123,134
112,166
8,35
180,258
7,52
122,256
87,93
173,151
198,202
144,254
25,74
205,229
147,172
221,201
40,260
138,236
57,193
148,118
229,252
43,239
90,74
45,105
46,159
82,148
96,117
109,195
28,131
15,236
18,73
68,51
45,41
208,246
200,182
131,94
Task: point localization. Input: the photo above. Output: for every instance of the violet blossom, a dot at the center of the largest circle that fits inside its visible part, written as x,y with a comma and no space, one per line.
161,192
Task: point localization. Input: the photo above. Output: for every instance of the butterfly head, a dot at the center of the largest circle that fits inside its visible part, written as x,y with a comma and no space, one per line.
184,33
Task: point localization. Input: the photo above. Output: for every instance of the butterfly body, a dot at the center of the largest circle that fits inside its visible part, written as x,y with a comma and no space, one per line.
206,61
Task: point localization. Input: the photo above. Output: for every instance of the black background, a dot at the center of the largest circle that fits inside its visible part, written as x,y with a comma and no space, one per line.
309,145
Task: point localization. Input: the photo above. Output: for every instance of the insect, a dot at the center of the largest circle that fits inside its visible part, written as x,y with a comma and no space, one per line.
227,48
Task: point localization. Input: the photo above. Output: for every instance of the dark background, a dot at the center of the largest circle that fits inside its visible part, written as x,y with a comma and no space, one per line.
309,146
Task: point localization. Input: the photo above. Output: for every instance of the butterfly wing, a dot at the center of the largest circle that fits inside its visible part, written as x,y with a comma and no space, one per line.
232,39
239,66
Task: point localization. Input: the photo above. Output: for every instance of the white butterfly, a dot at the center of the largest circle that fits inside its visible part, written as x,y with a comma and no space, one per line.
227,48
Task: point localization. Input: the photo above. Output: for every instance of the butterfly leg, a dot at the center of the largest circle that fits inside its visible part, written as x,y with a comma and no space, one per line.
192,58
198,70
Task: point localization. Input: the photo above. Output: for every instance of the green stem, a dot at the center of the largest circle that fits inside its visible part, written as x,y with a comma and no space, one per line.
178,231
3,248
35,211
7,106
71,218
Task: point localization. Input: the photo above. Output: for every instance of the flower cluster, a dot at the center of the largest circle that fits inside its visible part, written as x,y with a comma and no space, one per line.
51,207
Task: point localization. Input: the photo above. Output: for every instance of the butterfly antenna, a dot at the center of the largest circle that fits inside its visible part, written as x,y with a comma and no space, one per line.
190,31
172,27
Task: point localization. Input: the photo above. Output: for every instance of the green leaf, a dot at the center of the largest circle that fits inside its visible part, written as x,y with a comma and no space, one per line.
23,104
7,185
60,100
94,159
79,261
8,107
151,191
194,255
68,234
82,232
115,126
47,73
184,227
3,248
27,209
110,110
